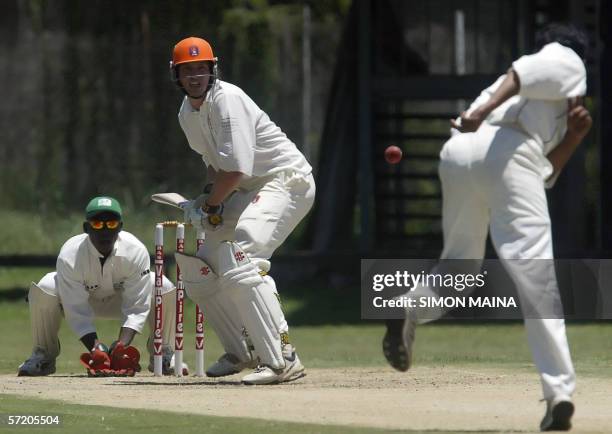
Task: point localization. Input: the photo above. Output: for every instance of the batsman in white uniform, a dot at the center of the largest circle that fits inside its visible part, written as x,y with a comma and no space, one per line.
103,273
510,145
260,187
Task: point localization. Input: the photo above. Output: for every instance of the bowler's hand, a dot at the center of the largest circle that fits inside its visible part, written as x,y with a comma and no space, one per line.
579,121
468,123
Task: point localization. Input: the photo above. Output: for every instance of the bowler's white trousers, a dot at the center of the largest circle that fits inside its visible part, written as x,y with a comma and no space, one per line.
493,179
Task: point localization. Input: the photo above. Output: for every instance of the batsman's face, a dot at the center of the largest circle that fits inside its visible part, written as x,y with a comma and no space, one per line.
194,78
105,237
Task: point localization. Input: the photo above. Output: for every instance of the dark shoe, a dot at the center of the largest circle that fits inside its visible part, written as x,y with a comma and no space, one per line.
398,341
558,415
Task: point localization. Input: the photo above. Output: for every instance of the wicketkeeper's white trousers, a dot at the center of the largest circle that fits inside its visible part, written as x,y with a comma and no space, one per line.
46,313
493,180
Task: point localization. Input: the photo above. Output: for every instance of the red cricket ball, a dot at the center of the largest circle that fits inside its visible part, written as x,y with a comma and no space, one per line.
393,154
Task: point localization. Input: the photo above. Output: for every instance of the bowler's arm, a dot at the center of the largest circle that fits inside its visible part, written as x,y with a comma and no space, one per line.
470,122
579,123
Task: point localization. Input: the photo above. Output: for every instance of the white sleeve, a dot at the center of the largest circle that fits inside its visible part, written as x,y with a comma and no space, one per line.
484,96
136,301
553,73
75,300
548,172
236,136
551,181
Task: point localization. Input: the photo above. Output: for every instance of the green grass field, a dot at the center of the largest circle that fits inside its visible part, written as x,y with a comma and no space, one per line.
25,232
449,343
99,419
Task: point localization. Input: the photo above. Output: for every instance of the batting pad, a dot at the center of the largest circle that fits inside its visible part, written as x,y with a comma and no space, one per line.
255,301
198,277
202,287
45,319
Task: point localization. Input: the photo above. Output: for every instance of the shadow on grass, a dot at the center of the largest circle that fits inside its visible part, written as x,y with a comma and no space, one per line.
13,294
323,301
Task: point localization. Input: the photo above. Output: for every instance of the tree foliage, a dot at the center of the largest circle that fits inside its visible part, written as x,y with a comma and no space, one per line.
88,106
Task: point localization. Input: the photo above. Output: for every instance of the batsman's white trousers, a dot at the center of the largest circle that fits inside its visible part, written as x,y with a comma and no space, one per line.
493,179
262,218
259,220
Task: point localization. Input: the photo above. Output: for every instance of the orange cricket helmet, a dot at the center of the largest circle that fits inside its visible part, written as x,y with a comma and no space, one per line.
191,49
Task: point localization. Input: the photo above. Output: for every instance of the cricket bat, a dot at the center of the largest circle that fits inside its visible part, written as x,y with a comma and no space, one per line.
173,199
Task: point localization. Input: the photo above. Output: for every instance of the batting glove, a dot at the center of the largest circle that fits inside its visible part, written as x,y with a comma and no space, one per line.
214,215
192,210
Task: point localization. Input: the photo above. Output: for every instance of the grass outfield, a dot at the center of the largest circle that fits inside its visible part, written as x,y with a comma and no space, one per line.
33,233
99,419
343,345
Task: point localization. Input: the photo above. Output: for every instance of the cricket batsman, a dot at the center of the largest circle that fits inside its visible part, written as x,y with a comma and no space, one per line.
259,188
507,148
104,272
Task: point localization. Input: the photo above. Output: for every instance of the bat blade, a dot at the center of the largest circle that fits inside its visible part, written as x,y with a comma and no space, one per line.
173,199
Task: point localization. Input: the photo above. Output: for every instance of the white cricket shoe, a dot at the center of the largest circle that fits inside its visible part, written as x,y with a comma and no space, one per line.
264,374
559,411
228,364
39,364
167,363
398,341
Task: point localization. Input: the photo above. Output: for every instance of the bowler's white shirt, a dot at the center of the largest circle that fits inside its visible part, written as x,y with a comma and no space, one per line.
233,134
548,79
80,276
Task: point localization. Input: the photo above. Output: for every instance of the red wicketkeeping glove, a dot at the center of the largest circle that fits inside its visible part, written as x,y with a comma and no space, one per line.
96,360
122,362
125,359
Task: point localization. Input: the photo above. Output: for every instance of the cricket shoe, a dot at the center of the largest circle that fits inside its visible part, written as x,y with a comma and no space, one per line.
39,364
228,364
167,363
559,411
264,374
398,341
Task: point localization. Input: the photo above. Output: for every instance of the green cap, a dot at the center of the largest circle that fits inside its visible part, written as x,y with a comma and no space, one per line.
102,204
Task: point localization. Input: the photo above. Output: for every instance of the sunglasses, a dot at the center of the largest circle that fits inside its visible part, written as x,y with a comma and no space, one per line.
99,224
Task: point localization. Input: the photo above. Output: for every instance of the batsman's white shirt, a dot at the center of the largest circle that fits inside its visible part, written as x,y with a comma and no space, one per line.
81,278
234,135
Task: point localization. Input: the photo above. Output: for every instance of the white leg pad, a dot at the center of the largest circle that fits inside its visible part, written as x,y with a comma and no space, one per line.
271,286
220,313
45,320
198,277
255,299
202,286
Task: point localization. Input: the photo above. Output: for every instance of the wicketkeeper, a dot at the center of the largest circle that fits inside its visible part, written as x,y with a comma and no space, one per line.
511,144
260,187
104,272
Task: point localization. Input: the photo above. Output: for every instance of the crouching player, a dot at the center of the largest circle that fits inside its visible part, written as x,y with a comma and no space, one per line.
104,272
